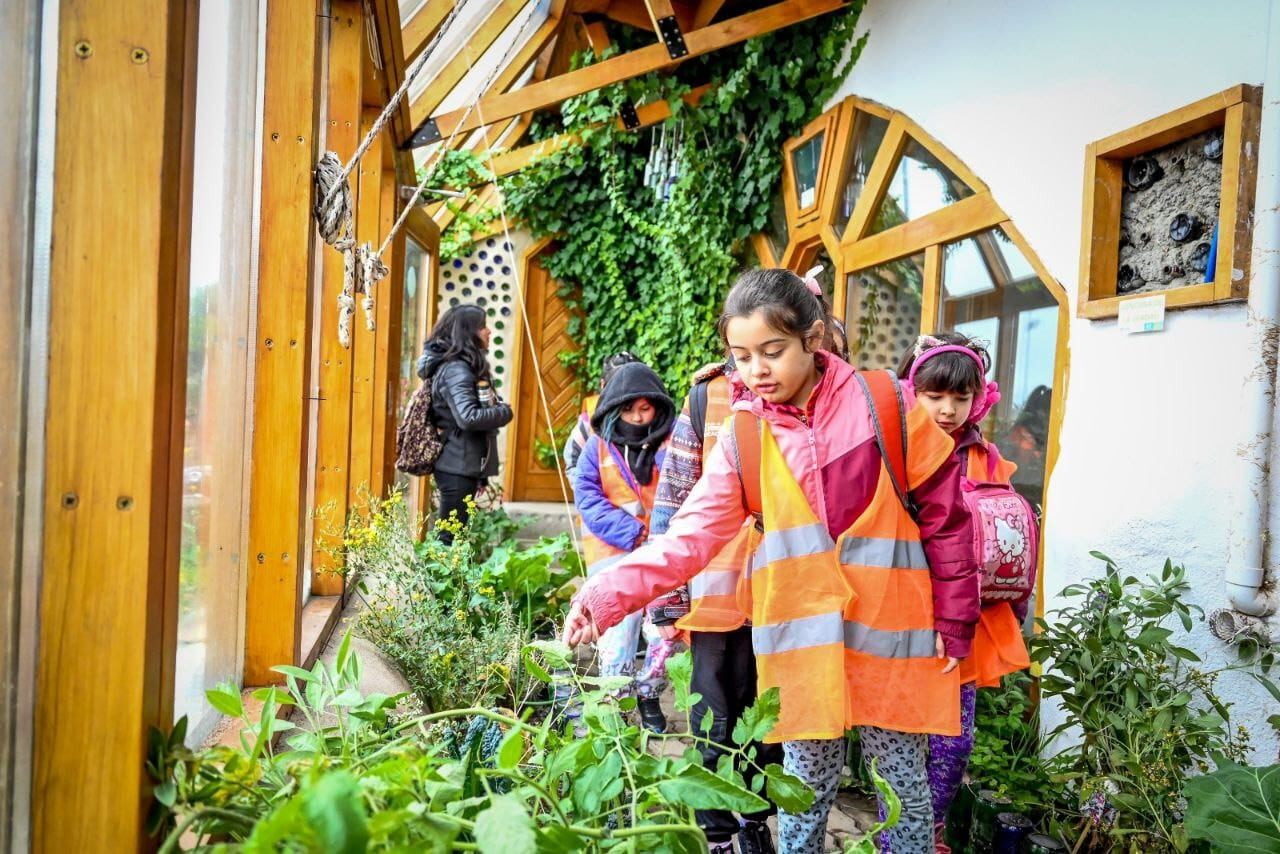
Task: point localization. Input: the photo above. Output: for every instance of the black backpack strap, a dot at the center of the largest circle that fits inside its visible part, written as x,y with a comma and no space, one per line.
698,409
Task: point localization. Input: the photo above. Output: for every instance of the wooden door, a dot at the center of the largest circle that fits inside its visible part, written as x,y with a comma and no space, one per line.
526,478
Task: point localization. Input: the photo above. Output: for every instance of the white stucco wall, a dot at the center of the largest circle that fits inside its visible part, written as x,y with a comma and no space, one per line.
1150,465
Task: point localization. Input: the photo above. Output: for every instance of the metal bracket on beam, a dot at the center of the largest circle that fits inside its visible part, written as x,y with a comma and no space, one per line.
426,134
630,119
669,31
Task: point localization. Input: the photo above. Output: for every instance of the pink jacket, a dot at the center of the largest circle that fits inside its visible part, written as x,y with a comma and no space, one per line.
836,462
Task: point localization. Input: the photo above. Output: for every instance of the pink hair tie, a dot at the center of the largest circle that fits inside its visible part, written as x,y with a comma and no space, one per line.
811,281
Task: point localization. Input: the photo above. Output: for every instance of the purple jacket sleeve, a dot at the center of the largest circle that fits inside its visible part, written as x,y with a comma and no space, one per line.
612,524
947,536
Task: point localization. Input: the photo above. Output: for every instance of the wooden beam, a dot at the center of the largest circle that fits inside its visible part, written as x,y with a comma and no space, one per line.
333,384
278,470
957,220
597,37
113,436
422,26
389,304
633,64
468,55
363,341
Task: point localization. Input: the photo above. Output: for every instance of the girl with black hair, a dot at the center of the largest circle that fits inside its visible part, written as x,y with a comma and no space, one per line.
464,405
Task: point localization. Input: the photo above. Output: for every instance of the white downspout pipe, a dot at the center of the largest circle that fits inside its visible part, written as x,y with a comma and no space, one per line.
1248,546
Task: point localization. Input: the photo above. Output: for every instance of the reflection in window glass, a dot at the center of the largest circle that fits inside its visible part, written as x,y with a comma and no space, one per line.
805,161
777,233
868,133
991,292
883,311
921,184
218,364
411,332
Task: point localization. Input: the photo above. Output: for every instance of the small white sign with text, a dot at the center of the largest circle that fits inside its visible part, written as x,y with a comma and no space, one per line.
1142,315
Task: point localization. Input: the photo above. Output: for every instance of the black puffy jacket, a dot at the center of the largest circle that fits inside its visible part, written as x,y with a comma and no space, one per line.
470,428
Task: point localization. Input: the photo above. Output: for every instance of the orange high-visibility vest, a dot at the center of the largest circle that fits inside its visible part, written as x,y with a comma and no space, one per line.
713,593
998,646
844,629
617,487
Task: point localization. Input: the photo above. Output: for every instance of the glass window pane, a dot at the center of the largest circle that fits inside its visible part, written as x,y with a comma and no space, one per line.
882,311
805,162
992,293
864,142
776,232
218,361
921,184
411,335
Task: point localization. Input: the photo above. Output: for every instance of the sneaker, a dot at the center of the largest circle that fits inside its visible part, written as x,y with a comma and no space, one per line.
651,716
719,848
755,838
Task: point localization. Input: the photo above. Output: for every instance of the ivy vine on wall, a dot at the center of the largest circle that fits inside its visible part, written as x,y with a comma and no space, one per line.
646,271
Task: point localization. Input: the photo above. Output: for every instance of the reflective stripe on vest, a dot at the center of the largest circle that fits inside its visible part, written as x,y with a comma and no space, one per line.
844,629
617,487
714,593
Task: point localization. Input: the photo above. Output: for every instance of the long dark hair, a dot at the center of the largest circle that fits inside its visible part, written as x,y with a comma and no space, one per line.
457,336
787,304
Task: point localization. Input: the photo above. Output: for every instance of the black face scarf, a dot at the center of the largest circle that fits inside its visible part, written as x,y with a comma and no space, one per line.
639,444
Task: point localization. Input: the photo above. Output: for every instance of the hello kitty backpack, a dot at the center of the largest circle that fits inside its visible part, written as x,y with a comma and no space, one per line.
1006,535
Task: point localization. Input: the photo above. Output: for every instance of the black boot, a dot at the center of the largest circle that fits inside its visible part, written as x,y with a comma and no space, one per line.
755,838
651,716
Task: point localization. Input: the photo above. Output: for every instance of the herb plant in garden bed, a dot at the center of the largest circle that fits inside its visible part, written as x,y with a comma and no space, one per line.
353,778
1143,710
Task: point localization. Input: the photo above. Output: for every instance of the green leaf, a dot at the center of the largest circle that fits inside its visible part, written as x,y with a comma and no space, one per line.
295,672
699,788
505,828
167,793
1153,635
680,672
511,749
759,719
344,652
786,790
334,807
1236,808
708,721
226,700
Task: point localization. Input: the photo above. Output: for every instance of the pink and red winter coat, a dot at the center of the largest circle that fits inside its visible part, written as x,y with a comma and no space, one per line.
835,460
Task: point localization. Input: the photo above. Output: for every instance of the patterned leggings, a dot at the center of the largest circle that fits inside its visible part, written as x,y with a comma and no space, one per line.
949,755
900,759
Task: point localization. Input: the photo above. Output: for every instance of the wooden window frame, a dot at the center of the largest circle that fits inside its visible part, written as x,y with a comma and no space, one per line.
823,124
1238,112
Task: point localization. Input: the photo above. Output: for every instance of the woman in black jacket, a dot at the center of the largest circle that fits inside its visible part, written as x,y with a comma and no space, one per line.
464,405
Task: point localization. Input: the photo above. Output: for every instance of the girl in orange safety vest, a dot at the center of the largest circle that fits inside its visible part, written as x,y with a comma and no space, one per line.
860,610
617,478
948,374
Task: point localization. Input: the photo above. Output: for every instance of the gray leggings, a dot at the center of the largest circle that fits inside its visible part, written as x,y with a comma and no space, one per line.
901,758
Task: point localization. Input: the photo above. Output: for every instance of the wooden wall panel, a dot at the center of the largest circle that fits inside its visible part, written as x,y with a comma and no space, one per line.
386,374
116,366
333,422
278,474
549,318
364,341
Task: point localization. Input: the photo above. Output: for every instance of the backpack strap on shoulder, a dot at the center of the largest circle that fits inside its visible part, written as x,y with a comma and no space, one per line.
889,418
746,435
698,408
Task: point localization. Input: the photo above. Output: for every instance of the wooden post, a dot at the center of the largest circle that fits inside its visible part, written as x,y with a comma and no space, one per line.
116,380
386,369
333,422
278,471
363,342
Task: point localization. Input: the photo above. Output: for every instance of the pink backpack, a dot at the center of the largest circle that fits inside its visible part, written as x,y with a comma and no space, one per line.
1006,537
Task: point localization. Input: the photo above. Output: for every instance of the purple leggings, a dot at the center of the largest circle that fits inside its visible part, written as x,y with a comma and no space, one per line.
949,756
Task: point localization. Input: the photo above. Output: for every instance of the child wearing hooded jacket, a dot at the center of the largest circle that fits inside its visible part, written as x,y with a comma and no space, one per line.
947,372
617,478
860,611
